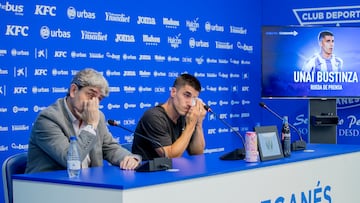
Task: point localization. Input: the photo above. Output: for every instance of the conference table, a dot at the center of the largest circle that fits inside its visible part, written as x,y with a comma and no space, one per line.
321,173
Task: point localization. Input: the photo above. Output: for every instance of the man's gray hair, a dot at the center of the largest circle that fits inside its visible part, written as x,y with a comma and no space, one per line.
90,77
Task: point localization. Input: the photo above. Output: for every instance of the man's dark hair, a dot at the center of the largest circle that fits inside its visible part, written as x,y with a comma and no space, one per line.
322,34
187,79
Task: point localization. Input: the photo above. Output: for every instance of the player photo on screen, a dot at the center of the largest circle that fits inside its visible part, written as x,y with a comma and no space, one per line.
307,62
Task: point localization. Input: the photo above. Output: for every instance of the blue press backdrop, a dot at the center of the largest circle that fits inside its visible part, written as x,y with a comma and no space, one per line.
140,48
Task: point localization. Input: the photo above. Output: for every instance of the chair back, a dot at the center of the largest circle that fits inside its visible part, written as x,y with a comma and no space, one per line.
14,164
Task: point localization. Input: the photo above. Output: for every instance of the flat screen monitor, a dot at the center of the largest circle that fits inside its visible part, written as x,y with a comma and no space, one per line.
310,62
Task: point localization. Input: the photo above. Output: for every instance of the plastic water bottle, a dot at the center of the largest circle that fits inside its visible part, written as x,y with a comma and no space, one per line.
73,159
286,137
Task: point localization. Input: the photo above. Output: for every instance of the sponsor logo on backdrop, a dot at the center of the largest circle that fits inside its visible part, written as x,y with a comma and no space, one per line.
234,88
3,90
115,17
223,103
223,45
18,109
113,56
93,55
213,28
234,61
110,73
245,88
3,110
223,89
245,102
124,38
72,13
211,103
211,75
129,106
237,30
234,102
3,129
37,108
199,60
245,47
144,73
61,90
4,148
36,90
56,72
129,57
223,61
114,89
173,59
234,75
17,9
113,106
15,52
193,25
159,89
45,10
211,88
20,90
173,74
60,54
175,41
199,75
129,73
146,20
20,72
211,61
171,23
211,131
151,40
198,43
4,71
129,89
129,122
142,89
41,53
93,36
40,72
144,57
245,115
75,54
159,74
245,76
3,52
46,33
223,130
186,59
144,105
19,146
223,116
223,75
159,58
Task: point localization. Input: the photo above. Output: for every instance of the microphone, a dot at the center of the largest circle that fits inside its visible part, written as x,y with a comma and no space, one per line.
156,164
295,146
236,154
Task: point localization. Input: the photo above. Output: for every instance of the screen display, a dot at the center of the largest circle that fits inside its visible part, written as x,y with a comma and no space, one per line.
310,62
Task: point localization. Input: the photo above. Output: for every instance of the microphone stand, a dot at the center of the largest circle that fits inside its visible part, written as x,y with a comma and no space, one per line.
237,154
296,145
156,164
